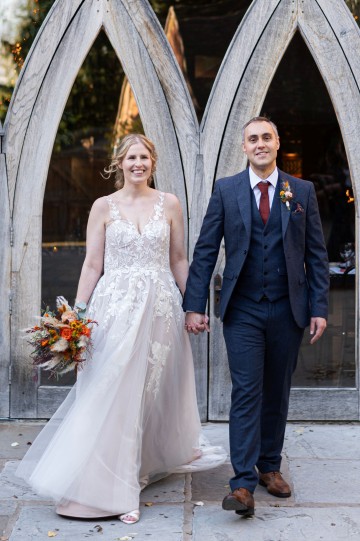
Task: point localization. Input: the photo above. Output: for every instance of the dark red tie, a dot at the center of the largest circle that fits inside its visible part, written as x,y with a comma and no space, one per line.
264,206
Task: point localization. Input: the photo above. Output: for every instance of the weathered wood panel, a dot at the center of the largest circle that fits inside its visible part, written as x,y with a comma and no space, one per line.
4,287
324,404
49,399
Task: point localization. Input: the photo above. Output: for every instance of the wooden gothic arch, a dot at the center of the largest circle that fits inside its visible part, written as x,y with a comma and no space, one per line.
332,36
198,155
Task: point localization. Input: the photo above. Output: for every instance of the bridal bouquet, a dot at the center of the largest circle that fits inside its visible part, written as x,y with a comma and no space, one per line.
60,340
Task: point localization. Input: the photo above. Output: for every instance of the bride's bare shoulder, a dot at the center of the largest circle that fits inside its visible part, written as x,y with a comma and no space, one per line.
171,201
100,207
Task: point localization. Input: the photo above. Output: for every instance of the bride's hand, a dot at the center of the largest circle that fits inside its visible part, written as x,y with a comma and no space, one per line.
196,323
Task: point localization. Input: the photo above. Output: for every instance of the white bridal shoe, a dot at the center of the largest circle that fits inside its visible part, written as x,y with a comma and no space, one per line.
131,517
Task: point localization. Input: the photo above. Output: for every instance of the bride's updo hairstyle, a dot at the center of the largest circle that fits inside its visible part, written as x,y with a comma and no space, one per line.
120,153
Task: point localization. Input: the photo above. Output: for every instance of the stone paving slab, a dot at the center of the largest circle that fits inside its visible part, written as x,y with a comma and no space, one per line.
213,485
274,524
13,487
160,523
217,434
322,441
19,432
168,490
7,509
326,481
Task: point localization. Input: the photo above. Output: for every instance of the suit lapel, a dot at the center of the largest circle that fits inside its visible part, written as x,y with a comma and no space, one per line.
244,199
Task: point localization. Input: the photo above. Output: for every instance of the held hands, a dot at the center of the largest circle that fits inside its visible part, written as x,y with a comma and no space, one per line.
317,326
196,323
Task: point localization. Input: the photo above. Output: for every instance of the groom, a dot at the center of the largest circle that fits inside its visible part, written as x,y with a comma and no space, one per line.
275,283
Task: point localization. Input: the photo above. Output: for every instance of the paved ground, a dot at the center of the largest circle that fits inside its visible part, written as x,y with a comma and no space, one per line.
321,461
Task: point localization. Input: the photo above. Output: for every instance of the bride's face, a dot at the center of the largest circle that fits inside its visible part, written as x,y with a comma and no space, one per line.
137,164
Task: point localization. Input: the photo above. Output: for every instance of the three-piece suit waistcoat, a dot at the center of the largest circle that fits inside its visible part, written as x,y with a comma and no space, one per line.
264,272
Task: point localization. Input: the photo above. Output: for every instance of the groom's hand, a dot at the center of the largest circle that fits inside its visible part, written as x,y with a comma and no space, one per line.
317,326
196,323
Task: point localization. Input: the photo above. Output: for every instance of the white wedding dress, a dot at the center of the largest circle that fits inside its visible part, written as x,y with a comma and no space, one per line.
132,416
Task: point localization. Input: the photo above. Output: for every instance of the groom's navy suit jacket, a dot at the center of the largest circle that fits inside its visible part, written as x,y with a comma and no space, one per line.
229,216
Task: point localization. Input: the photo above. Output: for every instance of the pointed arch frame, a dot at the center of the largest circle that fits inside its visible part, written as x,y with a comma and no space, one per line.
30,129
333,39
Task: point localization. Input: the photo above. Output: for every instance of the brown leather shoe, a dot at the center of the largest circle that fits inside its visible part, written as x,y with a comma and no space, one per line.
275,484
241,501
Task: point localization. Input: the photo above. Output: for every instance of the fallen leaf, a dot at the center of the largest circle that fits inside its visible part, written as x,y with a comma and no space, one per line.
148,504
15,444
199,503
52,534
98,528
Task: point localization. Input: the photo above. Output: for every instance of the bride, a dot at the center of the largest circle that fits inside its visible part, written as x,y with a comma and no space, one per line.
132,417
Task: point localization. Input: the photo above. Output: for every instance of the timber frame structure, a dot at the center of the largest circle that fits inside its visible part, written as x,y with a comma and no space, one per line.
191,156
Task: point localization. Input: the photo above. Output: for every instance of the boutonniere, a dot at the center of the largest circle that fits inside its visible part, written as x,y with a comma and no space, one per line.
286,194
287,197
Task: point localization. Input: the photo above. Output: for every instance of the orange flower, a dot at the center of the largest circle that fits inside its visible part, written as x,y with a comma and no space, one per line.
86,331
44,343
66,333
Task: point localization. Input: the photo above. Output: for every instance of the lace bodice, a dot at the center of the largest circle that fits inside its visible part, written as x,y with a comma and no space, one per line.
126,247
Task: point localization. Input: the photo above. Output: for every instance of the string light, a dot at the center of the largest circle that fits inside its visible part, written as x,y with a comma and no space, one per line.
350,198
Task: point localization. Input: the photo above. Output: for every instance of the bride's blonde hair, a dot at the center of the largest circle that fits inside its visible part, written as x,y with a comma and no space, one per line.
120,153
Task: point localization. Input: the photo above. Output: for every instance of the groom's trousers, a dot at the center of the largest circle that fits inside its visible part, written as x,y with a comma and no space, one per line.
262,341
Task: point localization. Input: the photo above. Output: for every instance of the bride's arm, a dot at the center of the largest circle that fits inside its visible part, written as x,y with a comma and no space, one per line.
178,261
95,247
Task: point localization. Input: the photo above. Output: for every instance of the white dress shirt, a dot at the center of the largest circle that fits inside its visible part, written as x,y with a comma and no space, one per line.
254,180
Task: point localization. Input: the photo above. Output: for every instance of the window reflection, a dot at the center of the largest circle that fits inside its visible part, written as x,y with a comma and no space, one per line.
312,148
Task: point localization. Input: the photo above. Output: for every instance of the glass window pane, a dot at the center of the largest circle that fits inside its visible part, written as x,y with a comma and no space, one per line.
97,113
312,148
200,32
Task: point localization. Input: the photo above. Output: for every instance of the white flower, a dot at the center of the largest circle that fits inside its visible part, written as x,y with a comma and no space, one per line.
83,341
60,345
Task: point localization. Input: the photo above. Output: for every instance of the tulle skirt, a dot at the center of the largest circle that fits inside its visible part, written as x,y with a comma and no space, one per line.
132,417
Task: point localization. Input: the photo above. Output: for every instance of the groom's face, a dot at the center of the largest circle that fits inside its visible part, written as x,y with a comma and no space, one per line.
261,145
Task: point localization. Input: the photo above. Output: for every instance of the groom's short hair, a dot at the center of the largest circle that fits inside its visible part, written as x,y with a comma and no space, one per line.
259,119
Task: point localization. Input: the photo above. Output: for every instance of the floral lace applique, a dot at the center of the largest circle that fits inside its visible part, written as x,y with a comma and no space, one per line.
157,358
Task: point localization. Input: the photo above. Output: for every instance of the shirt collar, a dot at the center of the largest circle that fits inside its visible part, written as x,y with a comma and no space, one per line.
254,179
